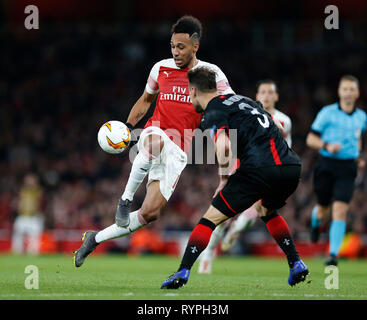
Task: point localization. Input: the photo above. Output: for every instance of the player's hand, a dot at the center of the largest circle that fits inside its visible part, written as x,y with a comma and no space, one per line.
333,147
133,138
280,127
222,183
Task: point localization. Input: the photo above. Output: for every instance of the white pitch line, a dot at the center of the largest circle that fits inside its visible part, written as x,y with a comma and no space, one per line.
210,294
310,295
65,295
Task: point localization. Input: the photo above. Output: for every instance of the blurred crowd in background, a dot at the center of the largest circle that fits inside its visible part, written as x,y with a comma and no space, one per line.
59,85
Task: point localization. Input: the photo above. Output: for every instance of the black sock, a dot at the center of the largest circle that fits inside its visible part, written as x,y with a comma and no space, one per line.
279,229
198,241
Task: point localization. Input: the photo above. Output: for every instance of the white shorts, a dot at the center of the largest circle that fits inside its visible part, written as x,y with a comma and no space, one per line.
29,225
168,166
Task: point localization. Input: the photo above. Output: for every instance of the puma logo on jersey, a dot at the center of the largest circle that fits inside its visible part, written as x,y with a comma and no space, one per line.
167,73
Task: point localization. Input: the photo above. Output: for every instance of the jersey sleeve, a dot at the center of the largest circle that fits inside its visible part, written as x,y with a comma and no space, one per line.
215,120
223,85
288,131
320,122
152,82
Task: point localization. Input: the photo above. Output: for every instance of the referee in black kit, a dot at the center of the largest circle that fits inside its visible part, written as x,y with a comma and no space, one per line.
337,134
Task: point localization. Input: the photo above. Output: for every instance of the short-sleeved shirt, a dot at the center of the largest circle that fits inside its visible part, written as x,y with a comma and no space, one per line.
174,112
336,126
259,141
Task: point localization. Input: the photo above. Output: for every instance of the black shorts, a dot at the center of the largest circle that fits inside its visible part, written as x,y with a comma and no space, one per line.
273,185
334,179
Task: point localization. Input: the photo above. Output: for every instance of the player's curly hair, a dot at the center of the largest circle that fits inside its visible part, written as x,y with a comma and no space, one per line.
188,24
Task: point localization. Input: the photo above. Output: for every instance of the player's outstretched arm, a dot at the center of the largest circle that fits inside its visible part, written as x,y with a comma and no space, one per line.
141,107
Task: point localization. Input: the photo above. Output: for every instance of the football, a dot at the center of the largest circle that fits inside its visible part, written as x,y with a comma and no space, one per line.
114,137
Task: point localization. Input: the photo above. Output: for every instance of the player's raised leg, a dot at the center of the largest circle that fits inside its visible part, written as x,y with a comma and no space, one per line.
163,177
152,205
152,147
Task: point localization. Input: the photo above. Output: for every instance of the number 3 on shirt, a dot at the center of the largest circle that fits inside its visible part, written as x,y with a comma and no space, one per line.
264,123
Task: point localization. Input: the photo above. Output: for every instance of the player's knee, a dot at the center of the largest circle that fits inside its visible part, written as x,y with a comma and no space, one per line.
263,212
257,206
150,211
340,210
150,215
215,216
154,144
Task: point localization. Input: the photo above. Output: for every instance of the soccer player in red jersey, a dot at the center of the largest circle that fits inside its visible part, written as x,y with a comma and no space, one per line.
166,137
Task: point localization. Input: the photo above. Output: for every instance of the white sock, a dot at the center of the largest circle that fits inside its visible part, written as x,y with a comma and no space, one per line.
137,221
216,236
140,168
245,220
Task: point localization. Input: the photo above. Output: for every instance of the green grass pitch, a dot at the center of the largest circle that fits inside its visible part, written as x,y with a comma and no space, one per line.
139,278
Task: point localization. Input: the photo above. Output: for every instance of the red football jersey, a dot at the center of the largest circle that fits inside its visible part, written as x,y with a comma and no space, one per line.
174,112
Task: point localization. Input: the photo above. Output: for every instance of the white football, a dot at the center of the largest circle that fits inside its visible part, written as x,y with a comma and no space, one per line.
114,137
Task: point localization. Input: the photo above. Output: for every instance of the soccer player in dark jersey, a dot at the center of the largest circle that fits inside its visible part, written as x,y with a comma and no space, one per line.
269,171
